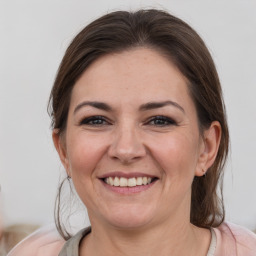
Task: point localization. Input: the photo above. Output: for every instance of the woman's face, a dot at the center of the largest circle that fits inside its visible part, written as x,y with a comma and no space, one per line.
132,145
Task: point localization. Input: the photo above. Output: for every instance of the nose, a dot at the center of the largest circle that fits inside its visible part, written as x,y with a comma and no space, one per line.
127,145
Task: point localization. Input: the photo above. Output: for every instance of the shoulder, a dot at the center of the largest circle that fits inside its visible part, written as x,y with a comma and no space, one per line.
235,240
44,242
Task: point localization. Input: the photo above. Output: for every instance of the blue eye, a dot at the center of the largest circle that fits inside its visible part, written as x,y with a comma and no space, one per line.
161,121
94,121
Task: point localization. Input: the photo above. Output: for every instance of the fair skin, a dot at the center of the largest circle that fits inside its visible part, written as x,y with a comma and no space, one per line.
131,116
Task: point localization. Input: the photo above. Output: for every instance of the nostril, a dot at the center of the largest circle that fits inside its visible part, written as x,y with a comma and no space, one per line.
126,146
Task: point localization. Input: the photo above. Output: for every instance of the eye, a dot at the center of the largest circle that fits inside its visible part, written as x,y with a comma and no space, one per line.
161,121
94,121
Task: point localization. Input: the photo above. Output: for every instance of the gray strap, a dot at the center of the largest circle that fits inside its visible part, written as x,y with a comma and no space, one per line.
71,247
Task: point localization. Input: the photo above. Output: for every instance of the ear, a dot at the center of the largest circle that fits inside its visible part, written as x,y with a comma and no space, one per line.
209,148
61,149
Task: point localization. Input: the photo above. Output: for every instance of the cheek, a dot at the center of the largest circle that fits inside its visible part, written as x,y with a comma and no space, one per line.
177,155
84,153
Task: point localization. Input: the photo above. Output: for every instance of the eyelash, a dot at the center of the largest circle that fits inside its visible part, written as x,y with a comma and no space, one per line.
91,119
94,121
165,121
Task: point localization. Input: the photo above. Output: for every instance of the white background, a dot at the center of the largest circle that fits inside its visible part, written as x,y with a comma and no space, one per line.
33,38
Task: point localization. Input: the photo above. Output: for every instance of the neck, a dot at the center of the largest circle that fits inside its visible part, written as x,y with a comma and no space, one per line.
155,240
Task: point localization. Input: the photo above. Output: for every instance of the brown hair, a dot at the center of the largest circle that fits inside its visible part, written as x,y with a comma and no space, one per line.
122,30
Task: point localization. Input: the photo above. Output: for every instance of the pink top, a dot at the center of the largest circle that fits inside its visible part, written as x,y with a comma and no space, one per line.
231,240
234,240
44,242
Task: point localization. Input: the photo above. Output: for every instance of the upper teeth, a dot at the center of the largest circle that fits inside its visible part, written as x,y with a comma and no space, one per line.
124,182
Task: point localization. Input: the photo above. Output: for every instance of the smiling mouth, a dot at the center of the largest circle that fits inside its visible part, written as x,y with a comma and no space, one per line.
128,182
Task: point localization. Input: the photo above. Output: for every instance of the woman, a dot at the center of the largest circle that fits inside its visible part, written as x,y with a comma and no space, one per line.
139,124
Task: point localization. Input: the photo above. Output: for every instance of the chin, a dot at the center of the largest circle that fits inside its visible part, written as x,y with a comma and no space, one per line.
131,217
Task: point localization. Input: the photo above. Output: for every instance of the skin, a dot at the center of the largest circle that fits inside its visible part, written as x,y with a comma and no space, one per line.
128,139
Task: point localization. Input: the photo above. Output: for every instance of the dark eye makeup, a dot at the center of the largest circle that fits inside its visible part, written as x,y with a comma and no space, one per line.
161,121
158,121
95,121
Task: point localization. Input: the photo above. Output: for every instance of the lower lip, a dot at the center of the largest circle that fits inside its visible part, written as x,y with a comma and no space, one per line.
128,190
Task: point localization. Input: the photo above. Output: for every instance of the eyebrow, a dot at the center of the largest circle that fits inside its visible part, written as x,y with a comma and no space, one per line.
95,104
154,105
143,107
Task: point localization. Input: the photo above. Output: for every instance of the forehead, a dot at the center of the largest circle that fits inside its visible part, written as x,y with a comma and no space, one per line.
137,75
